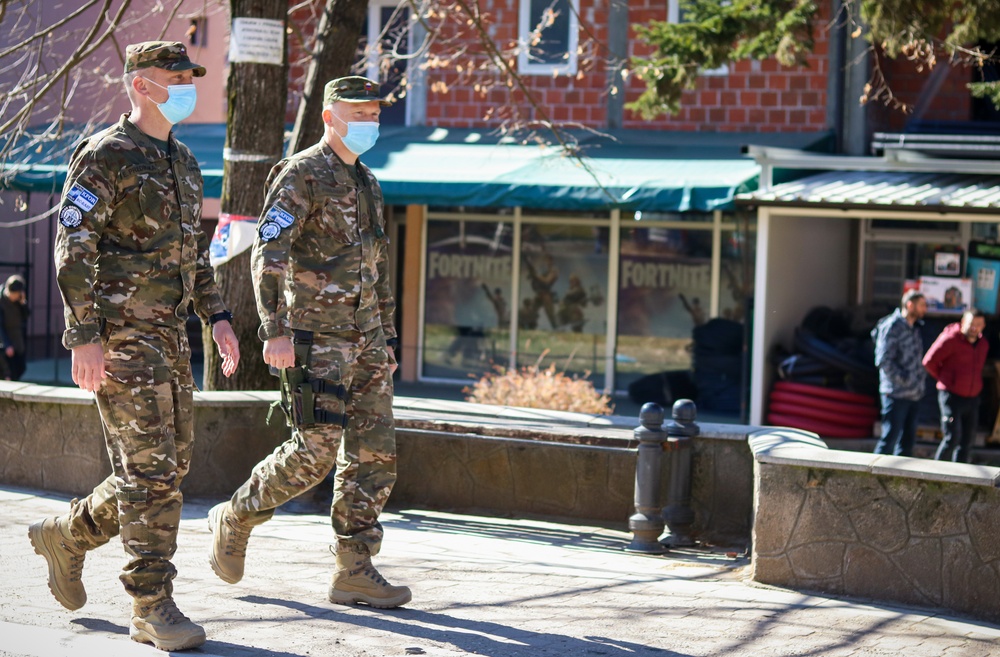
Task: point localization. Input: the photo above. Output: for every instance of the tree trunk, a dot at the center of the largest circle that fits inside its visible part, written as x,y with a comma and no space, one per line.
254,133
336,50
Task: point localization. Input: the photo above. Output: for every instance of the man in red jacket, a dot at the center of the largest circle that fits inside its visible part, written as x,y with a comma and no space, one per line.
956,360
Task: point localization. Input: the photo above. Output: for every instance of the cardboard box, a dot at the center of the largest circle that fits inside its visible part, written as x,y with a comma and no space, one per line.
945,295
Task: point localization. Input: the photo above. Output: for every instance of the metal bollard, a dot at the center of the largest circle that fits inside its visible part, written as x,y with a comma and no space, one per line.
646,524
678,514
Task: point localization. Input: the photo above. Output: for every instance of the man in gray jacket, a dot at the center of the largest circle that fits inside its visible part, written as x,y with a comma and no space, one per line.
901,374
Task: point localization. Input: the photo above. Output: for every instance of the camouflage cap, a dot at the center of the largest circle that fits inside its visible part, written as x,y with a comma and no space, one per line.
168,55
353,89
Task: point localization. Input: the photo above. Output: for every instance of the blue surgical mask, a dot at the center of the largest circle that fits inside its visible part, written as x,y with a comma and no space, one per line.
181,99
361,135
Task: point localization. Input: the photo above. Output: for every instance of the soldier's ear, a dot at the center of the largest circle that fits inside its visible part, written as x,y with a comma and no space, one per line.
139,85
327,116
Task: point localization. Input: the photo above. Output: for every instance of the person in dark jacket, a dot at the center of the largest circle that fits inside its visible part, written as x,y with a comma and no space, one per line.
956,360
13,321
898,349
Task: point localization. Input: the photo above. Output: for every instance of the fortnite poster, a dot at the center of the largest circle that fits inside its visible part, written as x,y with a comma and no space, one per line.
564,279
468,275
665,282
469,269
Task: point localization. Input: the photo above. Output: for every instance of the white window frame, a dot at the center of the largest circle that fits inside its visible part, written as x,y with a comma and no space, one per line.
375,28
524,30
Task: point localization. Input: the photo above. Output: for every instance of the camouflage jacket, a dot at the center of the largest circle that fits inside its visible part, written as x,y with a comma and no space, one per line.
320,258
129,245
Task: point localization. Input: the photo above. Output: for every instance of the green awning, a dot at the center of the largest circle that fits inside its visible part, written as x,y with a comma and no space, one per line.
653,171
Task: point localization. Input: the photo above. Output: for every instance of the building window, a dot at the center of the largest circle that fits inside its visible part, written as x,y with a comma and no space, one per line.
387,28
548,32
675,14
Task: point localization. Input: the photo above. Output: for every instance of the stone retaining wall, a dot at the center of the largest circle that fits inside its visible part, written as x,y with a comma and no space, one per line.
880,527
886,528
452,455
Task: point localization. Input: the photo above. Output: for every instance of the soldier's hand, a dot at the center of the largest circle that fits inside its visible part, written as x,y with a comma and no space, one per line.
279,352
9,351
229,346
393,364
88,366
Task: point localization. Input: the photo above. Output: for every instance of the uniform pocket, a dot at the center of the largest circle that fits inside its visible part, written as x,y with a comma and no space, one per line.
136,399
340,221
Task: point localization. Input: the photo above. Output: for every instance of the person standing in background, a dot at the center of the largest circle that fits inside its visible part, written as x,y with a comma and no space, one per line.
956,360
13,329
901,375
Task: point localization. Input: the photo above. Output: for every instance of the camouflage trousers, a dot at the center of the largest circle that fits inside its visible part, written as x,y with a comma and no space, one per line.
364,453
147,408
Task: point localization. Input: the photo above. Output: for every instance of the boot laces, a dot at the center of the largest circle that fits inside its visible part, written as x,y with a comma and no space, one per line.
237,537
75,563
371,573
167,610
75,555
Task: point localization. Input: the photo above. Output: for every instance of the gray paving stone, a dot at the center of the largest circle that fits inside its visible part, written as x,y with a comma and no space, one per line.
484,586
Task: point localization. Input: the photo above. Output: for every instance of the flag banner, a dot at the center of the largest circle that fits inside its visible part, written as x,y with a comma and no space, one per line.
234,235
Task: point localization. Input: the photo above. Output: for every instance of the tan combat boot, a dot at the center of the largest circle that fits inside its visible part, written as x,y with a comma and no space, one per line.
52,539
357,580
229,543
163,625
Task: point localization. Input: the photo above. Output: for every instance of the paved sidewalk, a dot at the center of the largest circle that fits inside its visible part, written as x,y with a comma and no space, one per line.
483,586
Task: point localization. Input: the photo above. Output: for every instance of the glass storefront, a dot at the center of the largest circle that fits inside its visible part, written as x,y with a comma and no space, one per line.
562,305
507,289
467,292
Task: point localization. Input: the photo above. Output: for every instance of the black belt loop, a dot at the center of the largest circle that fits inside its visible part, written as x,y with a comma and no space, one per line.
329,417
324,386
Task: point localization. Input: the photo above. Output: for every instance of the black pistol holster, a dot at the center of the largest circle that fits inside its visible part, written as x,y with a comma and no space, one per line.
299,390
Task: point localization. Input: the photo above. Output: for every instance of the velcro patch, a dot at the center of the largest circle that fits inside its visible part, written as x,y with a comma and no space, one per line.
70,216
82,198
269,230
281,217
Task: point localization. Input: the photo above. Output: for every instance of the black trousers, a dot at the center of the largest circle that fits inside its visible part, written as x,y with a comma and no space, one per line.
16,365
959,418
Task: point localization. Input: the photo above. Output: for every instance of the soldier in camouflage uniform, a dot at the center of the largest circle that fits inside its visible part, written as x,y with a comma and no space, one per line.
130,258
320,275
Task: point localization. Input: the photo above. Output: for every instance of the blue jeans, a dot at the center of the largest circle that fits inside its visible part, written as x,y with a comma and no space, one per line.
959,417
899,426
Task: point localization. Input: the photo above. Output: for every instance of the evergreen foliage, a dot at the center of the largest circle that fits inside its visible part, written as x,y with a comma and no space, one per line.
716,32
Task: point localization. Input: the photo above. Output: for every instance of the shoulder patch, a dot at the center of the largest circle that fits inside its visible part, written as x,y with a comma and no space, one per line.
280,216
269,230
70,216
82,198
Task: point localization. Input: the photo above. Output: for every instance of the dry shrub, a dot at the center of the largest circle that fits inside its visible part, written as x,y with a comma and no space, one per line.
532,387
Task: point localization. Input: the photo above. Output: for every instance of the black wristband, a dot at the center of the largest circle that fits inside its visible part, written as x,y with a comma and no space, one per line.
392,342
218,317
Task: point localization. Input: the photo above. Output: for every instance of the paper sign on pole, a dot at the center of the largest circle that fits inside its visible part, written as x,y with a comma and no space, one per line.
257,41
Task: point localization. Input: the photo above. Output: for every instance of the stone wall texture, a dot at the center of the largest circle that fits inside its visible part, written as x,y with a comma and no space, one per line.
455,456
931,540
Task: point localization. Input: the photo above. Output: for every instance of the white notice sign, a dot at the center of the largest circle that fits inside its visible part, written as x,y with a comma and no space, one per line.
257,41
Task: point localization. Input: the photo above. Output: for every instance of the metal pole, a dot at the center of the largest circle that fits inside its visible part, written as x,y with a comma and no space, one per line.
646,524
678,514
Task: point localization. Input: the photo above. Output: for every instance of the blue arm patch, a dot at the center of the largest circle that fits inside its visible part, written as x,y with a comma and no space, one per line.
279,216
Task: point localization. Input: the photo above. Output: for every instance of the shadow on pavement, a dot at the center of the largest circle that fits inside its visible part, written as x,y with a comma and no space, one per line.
540,532
475,637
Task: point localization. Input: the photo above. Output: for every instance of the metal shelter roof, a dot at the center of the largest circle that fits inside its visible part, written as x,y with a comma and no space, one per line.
885,190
